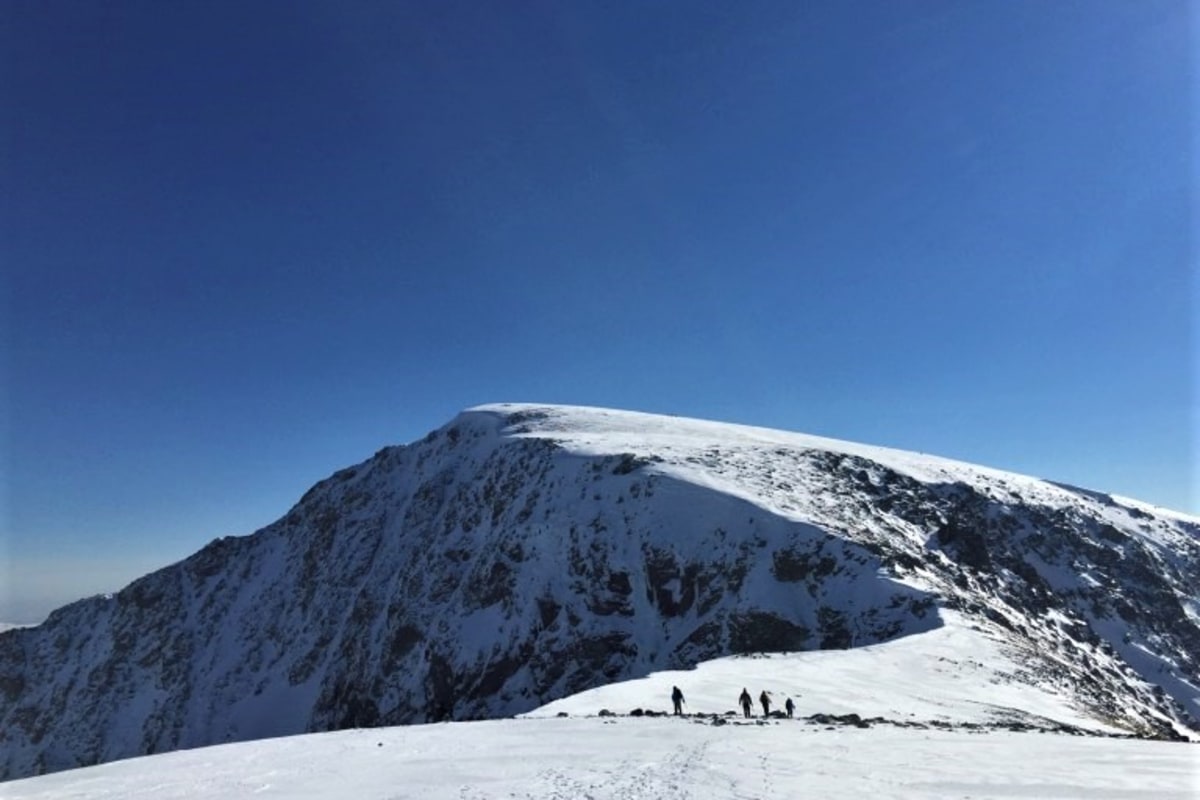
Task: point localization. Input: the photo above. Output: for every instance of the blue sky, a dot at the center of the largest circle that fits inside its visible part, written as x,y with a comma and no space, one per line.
248,244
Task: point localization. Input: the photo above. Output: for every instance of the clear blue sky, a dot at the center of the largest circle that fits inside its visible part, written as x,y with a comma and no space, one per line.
247,244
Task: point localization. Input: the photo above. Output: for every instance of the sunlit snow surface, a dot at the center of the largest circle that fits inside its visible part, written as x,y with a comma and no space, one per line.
953,674
681,443
744,461
571,759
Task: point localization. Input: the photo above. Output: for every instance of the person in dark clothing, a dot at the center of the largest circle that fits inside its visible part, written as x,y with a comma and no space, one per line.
790,707
766,703
677,699
746,702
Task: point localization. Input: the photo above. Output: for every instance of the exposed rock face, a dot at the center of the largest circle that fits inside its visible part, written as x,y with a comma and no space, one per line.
522,553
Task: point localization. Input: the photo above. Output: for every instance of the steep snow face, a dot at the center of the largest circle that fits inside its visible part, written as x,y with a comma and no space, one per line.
524,553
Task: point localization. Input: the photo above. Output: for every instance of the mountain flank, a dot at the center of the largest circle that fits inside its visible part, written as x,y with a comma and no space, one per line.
524,553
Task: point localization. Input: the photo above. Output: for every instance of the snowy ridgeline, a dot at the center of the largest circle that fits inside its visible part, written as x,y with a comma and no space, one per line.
953,676
950,689
522,554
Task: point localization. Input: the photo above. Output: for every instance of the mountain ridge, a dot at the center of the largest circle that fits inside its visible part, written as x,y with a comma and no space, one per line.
524,552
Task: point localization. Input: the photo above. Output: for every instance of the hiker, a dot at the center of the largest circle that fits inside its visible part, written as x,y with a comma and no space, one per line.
677,699
766,703
746,702
790,707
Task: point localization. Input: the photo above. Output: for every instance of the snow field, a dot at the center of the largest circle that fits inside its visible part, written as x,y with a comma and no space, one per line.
954,674
665,758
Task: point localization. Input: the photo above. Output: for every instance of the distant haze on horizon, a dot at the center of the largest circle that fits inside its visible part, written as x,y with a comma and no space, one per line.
247,245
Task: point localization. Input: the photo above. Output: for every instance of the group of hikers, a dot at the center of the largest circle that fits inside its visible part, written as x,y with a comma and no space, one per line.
744,701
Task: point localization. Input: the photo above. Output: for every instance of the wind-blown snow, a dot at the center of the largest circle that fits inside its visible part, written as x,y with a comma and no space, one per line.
682,444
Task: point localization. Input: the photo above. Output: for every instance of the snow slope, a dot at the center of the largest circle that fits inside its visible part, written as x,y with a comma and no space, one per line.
664,759
522,554
953,675
947,675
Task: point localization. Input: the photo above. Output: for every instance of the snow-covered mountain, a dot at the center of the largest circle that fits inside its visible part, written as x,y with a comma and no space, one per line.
524,553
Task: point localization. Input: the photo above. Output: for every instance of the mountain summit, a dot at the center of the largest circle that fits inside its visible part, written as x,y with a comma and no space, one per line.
523,553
